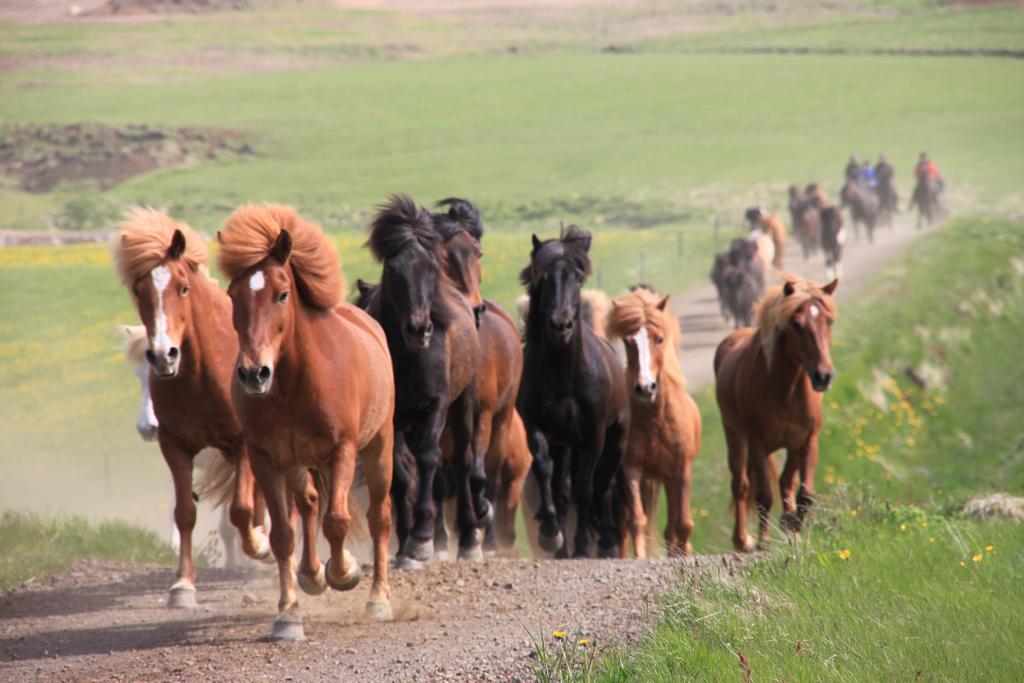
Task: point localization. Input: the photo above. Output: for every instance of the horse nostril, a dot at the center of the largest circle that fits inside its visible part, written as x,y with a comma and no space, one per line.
653,387
428,328
173,352
150,357
568,324
264,374
241,374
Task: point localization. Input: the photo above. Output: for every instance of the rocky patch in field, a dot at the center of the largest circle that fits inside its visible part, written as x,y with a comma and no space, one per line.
126,7
39,157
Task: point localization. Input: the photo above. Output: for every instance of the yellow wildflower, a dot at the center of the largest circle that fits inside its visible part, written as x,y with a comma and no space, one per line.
989,548
844,554
560,635
903,527
853,513
931,539
584,642
976,557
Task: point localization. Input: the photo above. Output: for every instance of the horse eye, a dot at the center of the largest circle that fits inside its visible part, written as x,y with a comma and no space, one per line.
659,341
797,326
284,297
184,290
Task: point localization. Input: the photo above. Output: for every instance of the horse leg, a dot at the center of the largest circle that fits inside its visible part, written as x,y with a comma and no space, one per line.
376,461
179,461
343,571
682,515
637,517
229,537
310,573
737,447
469,483
514,470
243,508
760,465
787,483
584,467
401,488
442,489
808,462
605,489
288,625
425,441
549,536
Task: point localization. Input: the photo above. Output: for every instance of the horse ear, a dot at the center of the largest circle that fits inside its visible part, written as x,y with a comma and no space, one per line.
536,242
663,303
788,288
282,247
362,285
177,247
831,287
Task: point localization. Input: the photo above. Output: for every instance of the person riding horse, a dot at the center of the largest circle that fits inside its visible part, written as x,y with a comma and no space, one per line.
885,176
852,172
927,172
867,175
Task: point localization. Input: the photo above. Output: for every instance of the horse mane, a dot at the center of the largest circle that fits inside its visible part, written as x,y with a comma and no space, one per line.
462,214
398,224
250,233
636,309
775,309
136,343
143,239
594,308
572,245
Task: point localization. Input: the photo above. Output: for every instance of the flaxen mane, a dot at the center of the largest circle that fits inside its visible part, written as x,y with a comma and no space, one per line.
143,239
136,343
775,309
572,246
639,308
249,235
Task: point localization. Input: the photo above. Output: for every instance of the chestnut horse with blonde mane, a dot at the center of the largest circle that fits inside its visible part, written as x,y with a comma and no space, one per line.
191,354
665,428
313,390
768,381
499,431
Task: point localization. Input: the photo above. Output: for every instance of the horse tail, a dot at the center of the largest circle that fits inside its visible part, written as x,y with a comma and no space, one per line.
216,482
357,530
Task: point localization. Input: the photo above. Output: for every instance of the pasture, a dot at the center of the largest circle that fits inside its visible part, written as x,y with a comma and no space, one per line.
654,126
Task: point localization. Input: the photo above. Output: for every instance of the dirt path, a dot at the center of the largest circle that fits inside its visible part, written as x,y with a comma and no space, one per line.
453,621
703,327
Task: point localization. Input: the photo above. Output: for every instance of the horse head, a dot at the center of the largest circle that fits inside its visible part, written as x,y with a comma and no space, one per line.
640,318
460,233
808,334
554,279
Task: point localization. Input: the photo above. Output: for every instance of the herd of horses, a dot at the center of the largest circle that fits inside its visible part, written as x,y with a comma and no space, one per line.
430,398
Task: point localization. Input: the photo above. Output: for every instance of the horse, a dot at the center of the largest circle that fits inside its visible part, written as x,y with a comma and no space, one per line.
313,388
500,437
665,426
738,275
888,195
833,236
927,197
803,211
864,205
191,355
435,350
769,381
136,343
573,401
771,225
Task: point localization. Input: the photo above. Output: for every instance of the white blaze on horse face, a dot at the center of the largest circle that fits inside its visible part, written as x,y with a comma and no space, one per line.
160,342
643,347
815,311
257,281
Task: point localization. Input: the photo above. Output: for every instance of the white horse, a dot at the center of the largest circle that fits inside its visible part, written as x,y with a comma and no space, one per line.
135,345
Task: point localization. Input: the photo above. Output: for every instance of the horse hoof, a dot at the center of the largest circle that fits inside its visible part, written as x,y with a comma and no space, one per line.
287,627
379,610
263,551
182,596
551,544
407,564
484,520
471,554
609,552
419,550
351,579
746,546
441,555
313,585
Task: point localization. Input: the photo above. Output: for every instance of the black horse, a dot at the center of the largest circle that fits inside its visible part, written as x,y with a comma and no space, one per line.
864,207
432,338
573,401
928,197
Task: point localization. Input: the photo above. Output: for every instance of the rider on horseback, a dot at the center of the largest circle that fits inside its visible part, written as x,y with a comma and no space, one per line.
867,174
852,172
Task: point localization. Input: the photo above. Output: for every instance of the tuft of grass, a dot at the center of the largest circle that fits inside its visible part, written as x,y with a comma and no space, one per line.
33,546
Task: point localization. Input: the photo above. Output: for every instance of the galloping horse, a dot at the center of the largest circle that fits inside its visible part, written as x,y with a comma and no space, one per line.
833,236
665,429
864,206
803,211
573,401
499,431
926,197
191,353
768,382
434,347
313,389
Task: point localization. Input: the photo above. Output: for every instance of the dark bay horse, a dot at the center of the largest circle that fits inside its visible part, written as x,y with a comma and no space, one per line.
665,427
191,352
314,391
435,350
768,382
927,198
499,432
803,212
573,402
833,237
864,206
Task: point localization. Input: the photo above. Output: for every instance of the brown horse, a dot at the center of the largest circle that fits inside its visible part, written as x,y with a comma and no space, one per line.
768,382
314,389
191,353
864,205
499,433
803,211
665,429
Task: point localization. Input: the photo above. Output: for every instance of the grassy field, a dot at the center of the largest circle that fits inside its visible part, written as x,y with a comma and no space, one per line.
890,578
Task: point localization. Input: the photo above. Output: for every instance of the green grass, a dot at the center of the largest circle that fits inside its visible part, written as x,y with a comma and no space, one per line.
33,546
919,590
